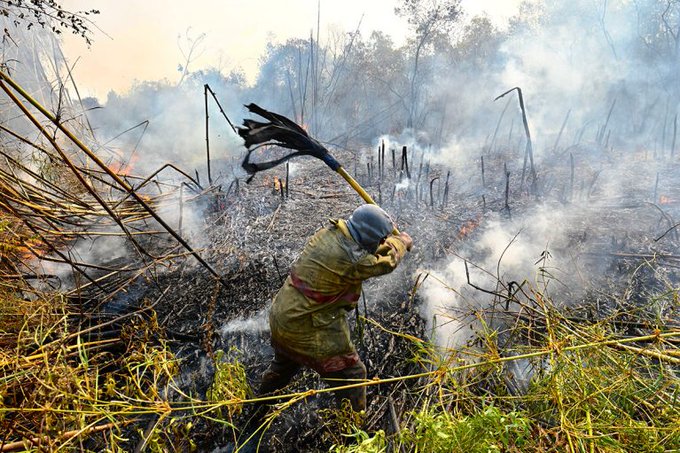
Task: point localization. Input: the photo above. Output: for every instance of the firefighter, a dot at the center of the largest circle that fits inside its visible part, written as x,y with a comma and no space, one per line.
308,316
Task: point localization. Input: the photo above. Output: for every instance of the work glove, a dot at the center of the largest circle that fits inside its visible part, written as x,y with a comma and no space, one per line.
407,240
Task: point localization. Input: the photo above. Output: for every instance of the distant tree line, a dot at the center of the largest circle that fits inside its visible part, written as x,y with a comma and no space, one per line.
577,56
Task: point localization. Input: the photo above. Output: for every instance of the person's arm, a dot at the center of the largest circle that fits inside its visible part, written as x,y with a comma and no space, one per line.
386,258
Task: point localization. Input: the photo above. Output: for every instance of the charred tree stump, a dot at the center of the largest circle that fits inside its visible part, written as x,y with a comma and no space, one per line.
431,192
382,160
445,198
394,162
404,161
287,177
483,179
379,164
507,189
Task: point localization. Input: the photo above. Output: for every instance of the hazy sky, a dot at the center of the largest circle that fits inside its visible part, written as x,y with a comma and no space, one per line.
142,40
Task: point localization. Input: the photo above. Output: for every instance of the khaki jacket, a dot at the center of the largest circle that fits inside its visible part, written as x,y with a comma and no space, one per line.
308,317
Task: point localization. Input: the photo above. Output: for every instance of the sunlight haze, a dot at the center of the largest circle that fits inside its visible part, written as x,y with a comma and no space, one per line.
146,41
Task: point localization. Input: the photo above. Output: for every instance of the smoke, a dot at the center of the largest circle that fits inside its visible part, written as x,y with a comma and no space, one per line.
176,129
256,323
532,248
599,81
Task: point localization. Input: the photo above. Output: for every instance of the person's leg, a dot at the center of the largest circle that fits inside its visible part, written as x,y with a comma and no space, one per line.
356,396
280,372
278,375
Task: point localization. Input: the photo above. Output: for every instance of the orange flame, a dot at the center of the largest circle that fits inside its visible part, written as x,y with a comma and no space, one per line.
279,184
30,246
125,168
467,228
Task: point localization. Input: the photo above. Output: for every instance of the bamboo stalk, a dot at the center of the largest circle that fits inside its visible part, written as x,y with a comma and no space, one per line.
529,152
382,160
498,125
207,134
445,197
98,161
212,93
379,164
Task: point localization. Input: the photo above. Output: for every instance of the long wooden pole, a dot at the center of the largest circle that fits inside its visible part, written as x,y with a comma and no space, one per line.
360,190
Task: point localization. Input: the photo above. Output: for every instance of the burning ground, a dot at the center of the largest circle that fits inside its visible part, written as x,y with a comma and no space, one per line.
537,311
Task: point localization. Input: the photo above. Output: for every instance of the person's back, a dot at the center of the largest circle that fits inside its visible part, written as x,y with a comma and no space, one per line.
308,316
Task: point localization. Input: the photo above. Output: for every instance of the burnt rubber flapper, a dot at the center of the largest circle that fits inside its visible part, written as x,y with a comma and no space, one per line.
279,131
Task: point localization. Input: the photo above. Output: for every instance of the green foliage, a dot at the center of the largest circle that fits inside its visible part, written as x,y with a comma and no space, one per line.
433,430
362,442
590,389
489,430
342,423
229,383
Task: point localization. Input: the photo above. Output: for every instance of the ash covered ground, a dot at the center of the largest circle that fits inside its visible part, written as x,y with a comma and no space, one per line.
598,242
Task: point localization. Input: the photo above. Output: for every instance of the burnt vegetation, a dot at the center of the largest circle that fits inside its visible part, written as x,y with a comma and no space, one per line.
538,310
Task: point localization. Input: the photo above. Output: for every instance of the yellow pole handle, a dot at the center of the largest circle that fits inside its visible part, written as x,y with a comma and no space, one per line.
360,190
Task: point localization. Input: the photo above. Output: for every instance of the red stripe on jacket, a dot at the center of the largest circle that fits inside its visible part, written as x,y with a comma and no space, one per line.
320,297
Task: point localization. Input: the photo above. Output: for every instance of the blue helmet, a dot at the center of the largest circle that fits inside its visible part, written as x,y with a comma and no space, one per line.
369,225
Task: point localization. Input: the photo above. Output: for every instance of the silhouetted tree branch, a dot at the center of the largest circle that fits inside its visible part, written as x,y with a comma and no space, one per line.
47,14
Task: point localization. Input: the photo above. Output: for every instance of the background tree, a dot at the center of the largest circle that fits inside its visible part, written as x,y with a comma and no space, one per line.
430,19
47,14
